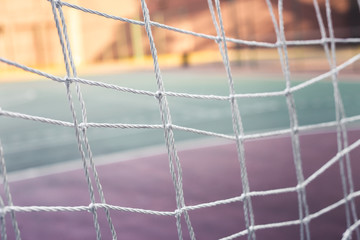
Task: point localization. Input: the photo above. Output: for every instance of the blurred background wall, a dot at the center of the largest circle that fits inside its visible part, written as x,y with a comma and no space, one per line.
28,34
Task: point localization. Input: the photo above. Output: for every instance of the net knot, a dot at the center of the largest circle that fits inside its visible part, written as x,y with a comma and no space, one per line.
251,228
178,212
287,92
58,3
82,126
92,207
159,95
299,187
279,43
218,39
306,219
232,98
2,212
295,130
68,80
168,126
324,41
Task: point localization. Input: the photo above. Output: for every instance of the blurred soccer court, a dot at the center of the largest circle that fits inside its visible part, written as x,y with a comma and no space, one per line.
30,144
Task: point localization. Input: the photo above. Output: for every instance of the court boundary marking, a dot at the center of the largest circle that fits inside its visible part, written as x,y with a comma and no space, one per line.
143,152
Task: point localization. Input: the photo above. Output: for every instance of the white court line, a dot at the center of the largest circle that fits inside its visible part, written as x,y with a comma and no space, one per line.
134,154
107,159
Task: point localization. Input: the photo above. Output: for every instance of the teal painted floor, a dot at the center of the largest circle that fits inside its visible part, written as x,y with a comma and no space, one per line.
29,144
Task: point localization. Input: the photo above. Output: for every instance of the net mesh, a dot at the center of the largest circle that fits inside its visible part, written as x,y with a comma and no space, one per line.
80,126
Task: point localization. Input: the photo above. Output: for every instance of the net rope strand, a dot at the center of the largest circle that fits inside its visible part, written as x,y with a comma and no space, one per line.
347,182
283,54
174,162
182,210
236,119
249,136
54,6
2,220
295,141
9,200
341,128
84,129
115,87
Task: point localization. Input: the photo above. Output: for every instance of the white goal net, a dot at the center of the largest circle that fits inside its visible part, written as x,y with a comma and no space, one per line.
10,211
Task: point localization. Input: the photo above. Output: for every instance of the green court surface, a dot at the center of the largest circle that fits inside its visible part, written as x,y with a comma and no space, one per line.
29,144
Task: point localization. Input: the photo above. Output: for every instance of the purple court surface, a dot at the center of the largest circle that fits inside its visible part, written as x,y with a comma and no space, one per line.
209,174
